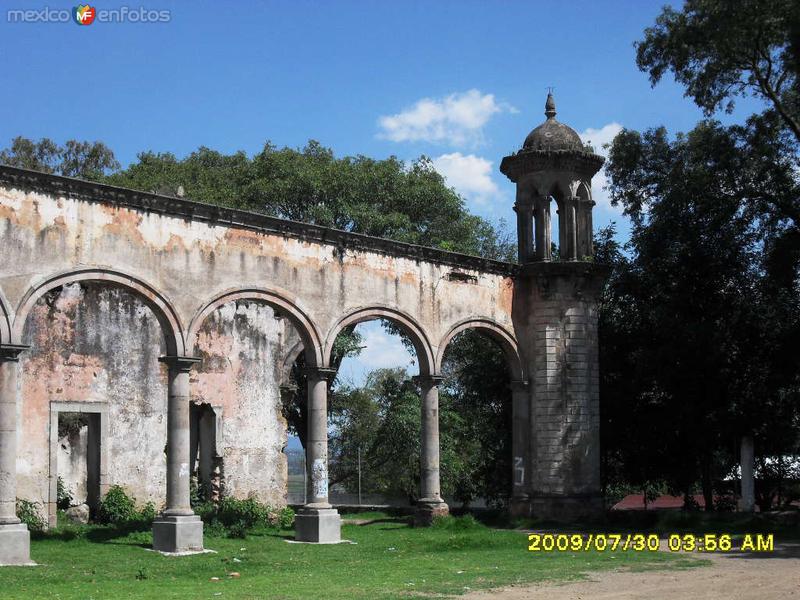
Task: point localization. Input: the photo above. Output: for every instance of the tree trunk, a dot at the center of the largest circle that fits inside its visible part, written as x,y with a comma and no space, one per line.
747,501
708,488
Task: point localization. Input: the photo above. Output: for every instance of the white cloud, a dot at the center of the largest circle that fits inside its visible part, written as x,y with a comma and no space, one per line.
599,138
381,350
470,175
457,119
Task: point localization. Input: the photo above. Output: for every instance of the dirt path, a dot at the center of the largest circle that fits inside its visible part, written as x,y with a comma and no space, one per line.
730,576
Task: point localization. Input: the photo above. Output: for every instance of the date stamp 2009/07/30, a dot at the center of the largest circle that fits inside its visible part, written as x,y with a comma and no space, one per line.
650,542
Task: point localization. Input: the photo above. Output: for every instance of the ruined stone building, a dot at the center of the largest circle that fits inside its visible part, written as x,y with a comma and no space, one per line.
167,326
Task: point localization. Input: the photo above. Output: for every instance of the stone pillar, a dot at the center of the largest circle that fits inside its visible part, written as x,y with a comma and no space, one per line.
524,210
430,503
555,317
572,229
587,229
14,535
746,457
520,442
542,224
178,529
317,521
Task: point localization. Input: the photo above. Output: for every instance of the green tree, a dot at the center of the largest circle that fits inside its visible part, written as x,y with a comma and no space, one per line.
382,419
86,160
384,198
721,49
690,341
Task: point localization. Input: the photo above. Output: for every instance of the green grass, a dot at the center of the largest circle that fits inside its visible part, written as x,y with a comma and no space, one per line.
388,560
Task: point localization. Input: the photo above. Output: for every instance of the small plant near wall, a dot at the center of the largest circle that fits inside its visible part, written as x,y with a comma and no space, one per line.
64,497
28,512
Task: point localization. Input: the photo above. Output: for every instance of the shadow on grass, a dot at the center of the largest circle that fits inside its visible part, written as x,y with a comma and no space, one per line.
98,534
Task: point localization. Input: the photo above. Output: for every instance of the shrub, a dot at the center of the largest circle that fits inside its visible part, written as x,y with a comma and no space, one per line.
28,512
117,507
214,528
148,512
63,495
285,518
234,517
248,513
237,530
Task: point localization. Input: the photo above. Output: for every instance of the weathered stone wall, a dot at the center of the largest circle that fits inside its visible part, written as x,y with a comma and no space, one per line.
559,323
95,343
187,263
241,347
132,277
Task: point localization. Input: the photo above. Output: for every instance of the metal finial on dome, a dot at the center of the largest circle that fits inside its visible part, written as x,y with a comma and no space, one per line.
550,106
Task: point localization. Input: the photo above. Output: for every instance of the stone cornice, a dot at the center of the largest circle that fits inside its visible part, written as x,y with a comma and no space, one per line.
572,279
530,161
228,217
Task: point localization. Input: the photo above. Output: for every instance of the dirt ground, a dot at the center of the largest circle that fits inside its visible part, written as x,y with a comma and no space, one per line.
730,576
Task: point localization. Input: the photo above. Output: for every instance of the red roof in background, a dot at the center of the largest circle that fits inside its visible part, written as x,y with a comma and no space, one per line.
636,502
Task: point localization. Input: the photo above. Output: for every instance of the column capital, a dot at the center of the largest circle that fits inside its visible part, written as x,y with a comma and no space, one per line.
427,379
326,373
181,363
11,352
523,204
541,201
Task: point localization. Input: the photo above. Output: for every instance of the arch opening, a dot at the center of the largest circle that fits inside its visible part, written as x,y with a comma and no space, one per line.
245,341
478,365
94,350
374,407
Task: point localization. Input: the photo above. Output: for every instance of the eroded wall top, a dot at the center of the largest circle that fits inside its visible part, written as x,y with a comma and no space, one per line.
187,258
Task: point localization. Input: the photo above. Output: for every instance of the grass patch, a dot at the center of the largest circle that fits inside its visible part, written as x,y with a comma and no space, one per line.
389,560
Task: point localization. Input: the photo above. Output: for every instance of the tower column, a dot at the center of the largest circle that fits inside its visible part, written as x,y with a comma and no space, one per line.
572,228
178,529
14,535
543,228
430,503
317,521
524,209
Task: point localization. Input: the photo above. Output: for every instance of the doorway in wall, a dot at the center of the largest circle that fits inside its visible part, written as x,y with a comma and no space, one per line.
206,462
77,465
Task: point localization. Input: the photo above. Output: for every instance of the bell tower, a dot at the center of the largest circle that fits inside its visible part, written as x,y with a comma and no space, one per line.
555,319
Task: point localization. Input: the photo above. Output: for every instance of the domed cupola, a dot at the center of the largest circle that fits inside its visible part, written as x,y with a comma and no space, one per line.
553,165
553,135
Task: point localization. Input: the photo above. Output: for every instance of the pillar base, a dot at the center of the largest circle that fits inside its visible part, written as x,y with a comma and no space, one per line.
318,525
520,506
567,507
178,534
427,511
15,545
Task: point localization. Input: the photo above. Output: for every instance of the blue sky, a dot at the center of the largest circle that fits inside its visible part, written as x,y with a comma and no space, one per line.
462,82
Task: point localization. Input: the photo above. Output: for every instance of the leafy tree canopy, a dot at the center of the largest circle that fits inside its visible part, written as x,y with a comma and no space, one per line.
721,49
384,198
85,160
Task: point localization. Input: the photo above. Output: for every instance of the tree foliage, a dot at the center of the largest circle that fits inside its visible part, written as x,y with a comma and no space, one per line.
721,49
698,323
381,420
86,160
696,331
385,198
